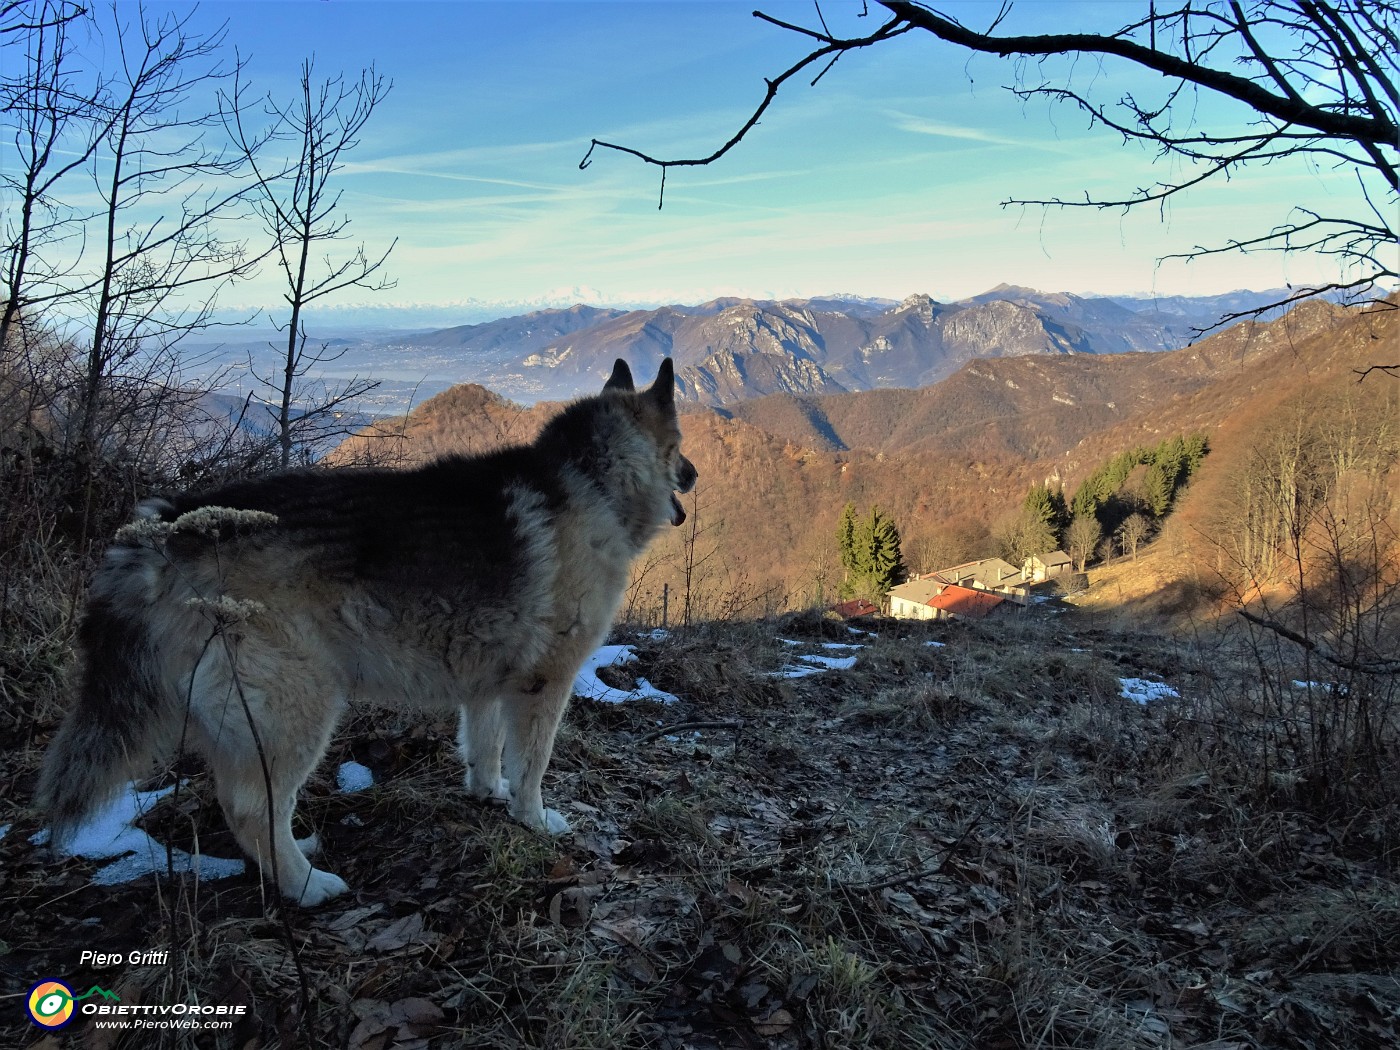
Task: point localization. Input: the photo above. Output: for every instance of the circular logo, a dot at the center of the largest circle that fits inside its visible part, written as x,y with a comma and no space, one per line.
50,1004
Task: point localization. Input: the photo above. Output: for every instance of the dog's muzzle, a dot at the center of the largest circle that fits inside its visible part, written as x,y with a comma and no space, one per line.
686,477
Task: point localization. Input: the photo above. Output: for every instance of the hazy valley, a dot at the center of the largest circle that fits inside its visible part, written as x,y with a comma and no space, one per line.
731,350
951,460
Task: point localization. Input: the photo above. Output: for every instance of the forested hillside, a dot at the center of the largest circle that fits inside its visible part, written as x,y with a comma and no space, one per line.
952,463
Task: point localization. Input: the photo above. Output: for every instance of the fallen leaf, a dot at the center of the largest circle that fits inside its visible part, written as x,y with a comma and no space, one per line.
352,918
776,1023
399,934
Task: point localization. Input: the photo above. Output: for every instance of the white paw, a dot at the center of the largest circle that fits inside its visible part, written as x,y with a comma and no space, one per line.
318,887
497,792
554,822
309,846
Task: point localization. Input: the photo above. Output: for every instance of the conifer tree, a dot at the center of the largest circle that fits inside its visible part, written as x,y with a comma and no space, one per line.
1170,458
1046,517
846,539
870,553
1157,489
886,562
1196,447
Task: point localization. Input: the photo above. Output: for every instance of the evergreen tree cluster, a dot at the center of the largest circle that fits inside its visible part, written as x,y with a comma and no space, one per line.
870,553
1170,465
1046,516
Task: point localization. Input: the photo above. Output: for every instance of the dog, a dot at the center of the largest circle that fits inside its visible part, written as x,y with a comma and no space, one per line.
240,622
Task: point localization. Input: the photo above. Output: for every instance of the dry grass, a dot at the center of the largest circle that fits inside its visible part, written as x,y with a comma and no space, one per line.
975,844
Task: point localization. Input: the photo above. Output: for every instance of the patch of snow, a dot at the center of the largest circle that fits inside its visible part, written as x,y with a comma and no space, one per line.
937,645
794,671
4,830
1326,687
1143,691
834,663
112,832
588,685
352,777
812,663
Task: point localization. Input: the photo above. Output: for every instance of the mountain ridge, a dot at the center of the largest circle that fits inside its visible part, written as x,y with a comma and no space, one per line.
730,349
946,462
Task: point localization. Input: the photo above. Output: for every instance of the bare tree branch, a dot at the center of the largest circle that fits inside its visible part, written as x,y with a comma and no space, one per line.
1379,128
1378,667
1318,76
301,213
1391,370
830,47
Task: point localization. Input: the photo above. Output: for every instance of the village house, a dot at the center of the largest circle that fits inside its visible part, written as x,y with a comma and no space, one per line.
927,599
910,601
989,574
1042,567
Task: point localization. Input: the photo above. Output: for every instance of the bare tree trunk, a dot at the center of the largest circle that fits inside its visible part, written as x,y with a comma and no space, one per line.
301,214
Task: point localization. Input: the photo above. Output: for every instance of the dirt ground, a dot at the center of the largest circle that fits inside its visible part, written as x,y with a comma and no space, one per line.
970,839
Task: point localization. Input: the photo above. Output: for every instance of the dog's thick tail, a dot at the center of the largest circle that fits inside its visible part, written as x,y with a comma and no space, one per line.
114,731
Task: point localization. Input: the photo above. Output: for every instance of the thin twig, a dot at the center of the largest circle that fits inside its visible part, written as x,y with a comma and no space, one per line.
681,726
927,871
1379,667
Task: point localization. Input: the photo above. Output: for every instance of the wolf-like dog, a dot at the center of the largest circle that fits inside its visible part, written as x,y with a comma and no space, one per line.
239,623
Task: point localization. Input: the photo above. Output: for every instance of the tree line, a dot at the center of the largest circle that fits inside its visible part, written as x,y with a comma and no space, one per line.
1105,512
143,178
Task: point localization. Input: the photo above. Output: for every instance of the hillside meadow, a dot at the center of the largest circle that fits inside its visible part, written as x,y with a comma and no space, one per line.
969,839
1159,812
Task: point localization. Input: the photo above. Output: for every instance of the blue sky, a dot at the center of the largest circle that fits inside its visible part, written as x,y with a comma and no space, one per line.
885,179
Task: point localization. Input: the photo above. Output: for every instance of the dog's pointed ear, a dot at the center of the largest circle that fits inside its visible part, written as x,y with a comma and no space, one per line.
663,391
621,378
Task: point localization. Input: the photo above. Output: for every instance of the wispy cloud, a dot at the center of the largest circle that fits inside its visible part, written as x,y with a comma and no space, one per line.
918,125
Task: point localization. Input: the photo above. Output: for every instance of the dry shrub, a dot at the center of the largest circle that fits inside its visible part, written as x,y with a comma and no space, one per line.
733,666
923,706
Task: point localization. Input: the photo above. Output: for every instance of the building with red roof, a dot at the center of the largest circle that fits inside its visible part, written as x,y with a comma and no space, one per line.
854,608
926,599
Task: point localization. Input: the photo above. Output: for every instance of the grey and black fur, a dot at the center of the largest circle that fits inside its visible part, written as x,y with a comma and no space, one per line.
241,621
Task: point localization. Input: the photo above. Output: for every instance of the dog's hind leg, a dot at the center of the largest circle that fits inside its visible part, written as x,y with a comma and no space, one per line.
245,767
480,737
532,718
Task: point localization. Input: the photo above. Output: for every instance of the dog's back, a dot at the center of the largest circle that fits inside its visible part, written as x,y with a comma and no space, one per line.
240,621
353,574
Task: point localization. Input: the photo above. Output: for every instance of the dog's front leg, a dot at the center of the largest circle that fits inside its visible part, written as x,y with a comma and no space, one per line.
532,717
480,737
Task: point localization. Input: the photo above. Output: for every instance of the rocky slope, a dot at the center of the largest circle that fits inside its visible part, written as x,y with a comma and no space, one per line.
730,350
